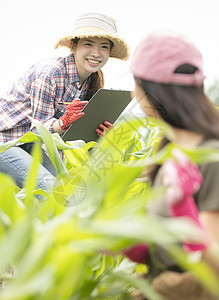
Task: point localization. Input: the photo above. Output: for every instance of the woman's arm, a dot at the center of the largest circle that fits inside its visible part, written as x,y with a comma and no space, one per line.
57,128
210,220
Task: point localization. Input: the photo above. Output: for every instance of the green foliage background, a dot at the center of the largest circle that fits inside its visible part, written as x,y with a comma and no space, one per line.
213,92
68,245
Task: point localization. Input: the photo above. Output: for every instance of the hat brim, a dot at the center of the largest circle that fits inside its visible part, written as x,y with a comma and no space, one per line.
119,50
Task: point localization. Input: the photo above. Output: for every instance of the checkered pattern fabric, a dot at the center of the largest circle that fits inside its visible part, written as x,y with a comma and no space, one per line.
36,96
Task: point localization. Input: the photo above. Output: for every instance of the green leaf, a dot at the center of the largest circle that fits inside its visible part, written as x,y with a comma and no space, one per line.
14,244
50,147
29,137
36,285
9,206
7,145
116,140
30,182
60,144
76,144
76,157
197,155
39,249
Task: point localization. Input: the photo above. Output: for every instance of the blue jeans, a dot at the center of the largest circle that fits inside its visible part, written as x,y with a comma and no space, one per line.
16,162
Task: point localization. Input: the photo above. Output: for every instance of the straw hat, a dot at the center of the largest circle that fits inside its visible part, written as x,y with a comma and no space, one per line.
97,25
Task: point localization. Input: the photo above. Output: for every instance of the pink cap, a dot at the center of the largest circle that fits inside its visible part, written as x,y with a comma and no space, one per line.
157,57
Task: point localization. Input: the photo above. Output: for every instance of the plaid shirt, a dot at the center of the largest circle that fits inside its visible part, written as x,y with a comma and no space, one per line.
36,95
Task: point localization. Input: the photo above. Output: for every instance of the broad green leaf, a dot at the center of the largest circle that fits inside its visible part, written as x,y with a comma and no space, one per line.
162,126
7,145
60,144
89,145
58,251
9,206
77,144
30,182
49,208
197,155
29,137
34,286
70,270
121,177
38,249
118,281
115,140
76,157
14,244
51,148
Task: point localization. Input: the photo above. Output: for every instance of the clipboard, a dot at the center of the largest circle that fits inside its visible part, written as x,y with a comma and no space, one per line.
105,105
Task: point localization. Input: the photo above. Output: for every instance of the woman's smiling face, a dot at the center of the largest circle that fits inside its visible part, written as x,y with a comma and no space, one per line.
91,54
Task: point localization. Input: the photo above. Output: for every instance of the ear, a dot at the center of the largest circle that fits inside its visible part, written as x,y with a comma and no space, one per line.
73,47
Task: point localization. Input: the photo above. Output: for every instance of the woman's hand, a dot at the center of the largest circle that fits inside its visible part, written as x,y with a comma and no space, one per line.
103,127
72,113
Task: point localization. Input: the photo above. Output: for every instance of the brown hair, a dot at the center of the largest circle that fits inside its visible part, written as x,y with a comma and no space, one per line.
97,82
185,107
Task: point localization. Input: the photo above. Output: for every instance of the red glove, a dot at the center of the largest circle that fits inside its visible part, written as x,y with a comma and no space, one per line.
72,113
107,126
137,253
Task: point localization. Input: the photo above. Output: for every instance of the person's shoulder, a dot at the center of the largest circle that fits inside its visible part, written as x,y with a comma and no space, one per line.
52,67
213,164
210,143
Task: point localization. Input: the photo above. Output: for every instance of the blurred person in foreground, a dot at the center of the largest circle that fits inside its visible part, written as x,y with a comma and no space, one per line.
168,73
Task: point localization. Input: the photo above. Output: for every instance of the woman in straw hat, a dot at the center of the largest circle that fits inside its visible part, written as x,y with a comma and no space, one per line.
72,79
168,72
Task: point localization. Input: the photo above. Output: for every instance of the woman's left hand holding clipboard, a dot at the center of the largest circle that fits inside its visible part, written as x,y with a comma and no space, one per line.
103,127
